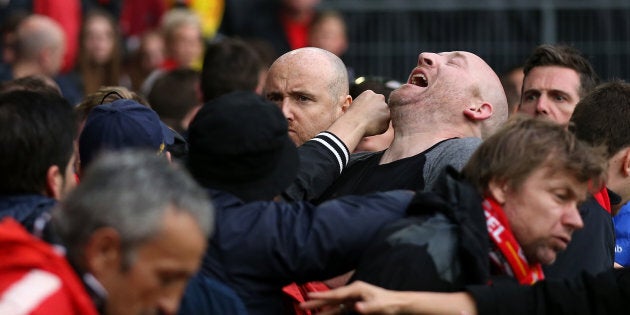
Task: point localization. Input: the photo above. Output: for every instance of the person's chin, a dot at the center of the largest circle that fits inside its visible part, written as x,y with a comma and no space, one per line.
546,257
295,138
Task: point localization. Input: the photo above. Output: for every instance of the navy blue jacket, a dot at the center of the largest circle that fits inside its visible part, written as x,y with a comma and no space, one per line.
205,295
260,247
25,208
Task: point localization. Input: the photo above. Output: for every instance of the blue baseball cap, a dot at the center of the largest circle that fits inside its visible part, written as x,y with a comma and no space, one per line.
120,125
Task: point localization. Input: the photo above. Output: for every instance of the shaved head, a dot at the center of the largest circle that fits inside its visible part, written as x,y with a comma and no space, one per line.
37,32
333,69
310,85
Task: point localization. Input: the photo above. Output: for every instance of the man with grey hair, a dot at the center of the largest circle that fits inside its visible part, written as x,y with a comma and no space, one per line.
134,251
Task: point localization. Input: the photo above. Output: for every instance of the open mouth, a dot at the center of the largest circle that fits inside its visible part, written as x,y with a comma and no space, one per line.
420,80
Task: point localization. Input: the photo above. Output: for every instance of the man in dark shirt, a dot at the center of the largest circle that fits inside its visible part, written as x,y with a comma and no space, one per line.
451,101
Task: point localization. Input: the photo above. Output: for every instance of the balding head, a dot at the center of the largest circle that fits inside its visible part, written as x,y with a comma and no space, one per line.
40,39
455,88
310,85
492,92
311,59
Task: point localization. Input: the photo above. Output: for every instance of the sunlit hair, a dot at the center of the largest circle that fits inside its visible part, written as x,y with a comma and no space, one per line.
524,144
104,95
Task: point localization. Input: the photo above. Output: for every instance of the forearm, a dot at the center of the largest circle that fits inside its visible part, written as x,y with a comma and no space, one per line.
322,159
349,130
436,303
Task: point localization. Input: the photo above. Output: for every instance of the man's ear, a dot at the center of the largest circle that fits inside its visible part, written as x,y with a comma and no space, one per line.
479,111
54,182
625,162
102,251
346,103
498,190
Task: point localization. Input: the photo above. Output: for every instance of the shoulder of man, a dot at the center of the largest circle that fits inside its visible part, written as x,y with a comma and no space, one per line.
35,279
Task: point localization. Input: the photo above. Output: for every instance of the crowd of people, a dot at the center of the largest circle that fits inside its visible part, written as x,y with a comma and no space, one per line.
173,167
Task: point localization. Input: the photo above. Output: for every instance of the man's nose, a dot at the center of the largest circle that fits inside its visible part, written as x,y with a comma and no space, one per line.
287,108
427,58
573,218
542,105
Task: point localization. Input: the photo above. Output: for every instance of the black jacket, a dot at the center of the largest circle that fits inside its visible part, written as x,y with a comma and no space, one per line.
441,246
259,247
606,293
322,159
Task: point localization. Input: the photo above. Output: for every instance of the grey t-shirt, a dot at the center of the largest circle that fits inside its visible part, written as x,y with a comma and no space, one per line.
365,175
454,152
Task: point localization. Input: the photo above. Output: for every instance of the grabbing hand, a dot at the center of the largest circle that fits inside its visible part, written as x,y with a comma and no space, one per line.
359,296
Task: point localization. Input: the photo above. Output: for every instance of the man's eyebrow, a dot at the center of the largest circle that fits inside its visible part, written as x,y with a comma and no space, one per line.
301,92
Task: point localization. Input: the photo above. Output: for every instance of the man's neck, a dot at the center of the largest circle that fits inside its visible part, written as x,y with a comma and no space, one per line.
21,70
407,146
408,142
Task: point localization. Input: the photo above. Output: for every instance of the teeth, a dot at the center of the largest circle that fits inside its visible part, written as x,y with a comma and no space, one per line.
420,80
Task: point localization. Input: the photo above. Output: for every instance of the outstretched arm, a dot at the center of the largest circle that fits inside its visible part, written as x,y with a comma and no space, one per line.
365,298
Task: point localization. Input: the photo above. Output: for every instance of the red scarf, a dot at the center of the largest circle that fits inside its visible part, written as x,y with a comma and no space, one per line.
603,199
510,251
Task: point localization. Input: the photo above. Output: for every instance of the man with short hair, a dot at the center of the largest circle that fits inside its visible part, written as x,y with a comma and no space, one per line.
134,251
231,65
510,211
601,119
176,110
556,78
37,138
450,101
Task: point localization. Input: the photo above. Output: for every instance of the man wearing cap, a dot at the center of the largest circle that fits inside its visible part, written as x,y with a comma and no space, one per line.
122,124
38,152
241,152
